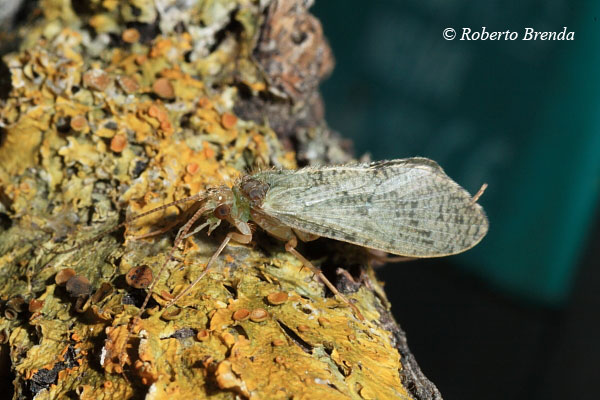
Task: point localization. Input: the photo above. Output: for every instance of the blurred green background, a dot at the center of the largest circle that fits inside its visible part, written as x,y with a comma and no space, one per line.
517,316
519,115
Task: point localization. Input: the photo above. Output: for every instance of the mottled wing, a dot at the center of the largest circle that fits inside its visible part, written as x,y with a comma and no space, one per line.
408,207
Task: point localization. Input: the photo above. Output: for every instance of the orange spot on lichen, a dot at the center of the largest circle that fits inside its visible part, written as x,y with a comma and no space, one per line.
130,35
96,79
140,59
128,83
79,123
162,87
241,315
228,120
166,126
259,315
205,103
156,112
208,152
161,47
35,305
277,298
203,335
192,168
118,143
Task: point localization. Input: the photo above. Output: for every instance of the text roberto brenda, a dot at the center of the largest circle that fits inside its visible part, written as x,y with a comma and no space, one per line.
528,34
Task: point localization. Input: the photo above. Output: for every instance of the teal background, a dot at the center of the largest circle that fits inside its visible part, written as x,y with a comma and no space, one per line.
519,115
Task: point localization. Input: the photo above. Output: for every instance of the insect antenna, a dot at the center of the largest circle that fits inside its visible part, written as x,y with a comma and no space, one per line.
128,221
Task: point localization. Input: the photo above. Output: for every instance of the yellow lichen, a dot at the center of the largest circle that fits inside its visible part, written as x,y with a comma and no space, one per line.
88,138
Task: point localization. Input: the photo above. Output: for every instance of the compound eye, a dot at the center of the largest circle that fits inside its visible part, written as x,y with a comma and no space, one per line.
222,211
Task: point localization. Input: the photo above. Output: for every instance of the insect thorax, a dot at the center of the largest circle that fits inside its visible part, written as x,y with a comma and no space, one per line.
253,190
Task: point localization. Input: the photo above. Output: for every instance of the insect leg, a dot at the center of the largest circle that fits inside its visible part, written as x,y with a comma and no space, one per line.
379,257
180,236
243,238
290,247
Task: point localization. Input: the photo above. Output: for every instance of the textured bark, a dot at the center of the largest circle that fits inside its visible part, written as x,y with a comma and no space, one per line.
116,107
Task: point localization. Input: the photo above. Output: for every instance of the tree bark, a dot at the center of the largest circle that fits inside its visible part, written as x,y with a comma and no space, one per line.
117,107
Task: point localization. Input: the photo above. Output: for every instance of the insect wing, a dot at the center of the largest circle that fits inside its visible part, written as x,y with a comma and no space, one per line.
407,207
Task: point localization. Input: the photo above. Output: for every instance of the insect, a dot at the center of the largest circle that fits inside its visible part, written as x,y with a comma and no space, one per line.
407,207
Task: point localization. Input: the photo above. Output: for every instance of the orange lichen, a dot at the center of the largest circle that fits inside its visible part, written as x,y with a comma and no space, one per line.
259,315
130,35
35,305
277,298
191,168
118,143
79,123
204,102
203,335
96,79
128,83
114,358
92,152
228,120
241,315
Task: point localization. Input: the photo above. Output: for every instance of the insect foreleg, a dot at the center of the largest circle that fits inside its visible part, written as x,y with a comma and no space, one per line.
290,246
198,229
243,238
180,236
